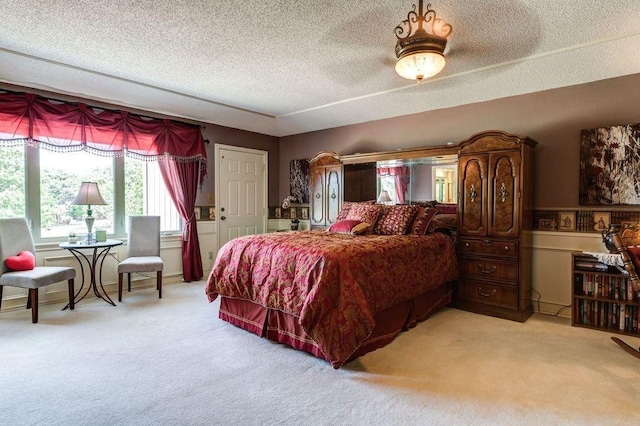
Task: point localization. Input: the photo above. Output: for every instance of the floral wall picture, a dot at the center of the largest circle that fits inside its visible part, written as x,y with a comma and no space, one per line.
610,165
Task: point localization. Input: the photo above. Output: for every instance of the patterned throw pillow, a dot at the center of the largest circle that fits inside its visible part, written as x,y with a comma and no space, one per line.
344,211
395,220
353,227
447,208
443,223
367,213
421,220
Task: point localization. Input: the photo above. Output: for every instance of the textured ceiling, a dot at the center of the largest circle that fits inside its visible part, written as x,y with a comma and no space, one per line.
287,67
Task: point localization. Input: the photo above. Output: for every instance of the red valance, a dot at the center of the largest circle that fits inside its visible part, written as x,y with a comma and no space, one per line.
60,126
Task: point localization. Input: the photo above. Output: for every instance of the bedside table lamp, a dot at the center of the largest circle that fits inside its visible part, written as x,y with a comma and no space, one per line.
384,197
89,195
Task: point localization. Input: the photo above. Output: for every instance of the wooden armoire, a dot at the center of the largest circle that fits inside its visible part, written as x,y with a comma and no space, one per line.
325,187
495,202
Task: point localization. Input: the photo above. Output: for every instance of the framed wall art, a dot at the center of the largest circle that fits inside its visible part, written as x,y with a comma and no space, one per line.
610,165
567,221
299,180
601,220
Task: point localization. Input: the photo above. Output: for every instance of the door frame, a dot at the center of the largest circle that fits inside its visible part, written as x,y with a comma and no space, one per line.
216,156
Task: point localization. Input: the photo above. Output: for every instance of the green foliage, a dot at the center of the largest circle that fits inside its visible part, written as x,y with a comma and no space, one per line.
12,183
59,186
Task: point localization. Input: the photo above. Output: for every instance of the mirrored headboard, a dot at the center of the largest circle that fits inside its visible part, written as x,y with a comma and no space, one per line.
423,174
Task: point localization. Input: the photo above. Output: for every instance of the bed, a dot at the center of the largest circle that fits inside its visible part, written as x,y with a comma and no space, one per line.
336,294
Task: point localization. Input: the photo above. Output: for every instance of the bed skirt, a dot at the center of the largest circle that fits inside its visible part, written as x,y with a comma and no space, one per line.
285,328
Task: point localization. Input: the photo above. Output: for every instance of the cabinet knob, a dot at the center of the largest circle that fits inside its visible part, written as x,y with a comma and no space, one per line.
318,196
506,248
467,245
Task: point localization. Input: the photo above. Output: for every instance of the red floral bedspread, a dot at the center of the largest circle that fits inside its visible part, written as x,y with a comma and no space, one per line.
334,283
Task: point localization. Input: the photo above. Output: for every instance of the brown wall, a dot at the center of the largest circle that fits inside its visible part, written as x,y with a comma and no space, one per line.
554,118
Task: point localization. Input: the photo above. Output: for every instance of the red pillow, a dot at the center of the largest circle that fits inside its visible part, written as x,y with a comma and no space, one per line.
447,208
23,261
354,227
395,220
344,211
365,213
422,220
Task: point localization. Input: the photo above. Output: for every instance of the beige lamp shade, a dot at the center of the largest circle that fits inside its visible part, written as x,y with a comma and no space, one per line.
384,198
88,195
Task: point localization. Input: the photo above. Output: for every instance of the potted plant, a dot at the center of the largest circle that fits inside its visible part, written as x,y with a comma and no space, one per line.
294,224
73,238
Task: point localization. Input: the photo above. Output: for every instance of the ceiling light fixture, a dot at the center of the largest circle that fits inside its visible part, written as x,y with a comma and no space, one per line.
422,39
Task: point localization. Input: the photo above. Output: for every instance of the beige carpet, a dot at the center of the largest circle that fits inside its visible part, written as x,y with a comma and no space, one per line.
172,361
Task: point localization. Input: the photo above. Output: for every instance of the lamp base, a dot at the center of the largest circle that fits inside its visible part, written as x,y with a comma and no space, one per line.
90,236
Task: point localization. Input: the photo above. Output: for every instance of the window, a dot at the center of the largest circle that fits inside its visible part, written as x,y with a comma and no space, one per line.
145,193
52,180
61,174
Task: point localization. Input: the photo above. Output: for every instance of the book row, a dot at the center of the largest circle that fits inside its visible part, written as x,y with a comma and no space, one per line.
614,316
607,286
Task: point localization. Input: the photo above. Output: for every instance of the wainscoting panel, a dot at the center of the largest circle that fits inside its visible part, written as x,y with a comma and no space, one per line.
551,272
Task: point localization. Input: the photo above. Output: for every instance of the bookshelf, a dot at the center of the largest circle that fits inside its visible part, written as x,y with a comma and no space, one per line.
602,297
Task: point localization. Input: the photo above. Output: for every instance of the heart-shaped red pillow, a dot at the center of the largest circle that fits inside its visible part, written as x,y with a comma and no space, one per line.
23,261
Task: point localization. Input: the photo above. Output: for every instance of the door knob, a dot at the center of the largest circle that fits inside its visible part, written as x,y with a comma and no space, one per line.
223,217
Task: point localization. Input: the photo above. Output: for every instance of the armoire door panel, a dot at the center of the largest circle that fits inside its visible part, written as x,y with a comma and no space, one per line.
504,194
316,188
334,189
473,188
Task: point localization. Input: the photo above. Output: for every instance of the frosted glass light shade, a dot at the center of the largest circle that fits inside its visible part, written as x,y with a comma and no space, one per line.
420,65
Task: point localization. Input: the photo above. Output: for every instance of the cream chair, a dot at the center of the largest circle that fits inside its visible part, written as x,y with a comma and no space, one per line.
16,237
143,251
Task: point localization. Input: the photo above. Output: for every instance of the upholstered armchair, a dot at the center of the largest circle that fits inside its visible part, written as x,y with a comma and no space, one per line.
17,254
143,251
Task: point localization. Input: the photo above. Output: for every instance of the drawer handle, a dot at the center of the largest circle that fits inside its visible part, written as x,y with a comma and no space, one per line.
506,248
486,271
472,193
487,242
467,245
483,294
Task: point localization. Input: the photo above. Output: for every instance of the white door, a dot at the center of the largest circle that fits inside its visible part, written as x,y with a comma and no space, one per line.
241,188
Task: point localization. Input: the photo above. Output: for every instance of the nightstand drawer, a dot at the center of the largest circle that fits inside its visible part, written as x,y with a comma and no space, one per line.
489,294
488,247
489,269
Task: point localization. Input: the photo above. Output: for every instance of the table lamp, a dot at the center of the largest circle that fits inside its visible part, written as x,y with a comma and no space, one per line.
384,198
89,195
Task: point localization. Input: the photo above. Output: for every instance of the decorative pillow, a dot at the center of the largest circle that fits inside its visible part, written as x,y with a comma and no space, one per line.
447,208
23,261
424,203
395,220
421,220
443,222
344,211
353,227
367,213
